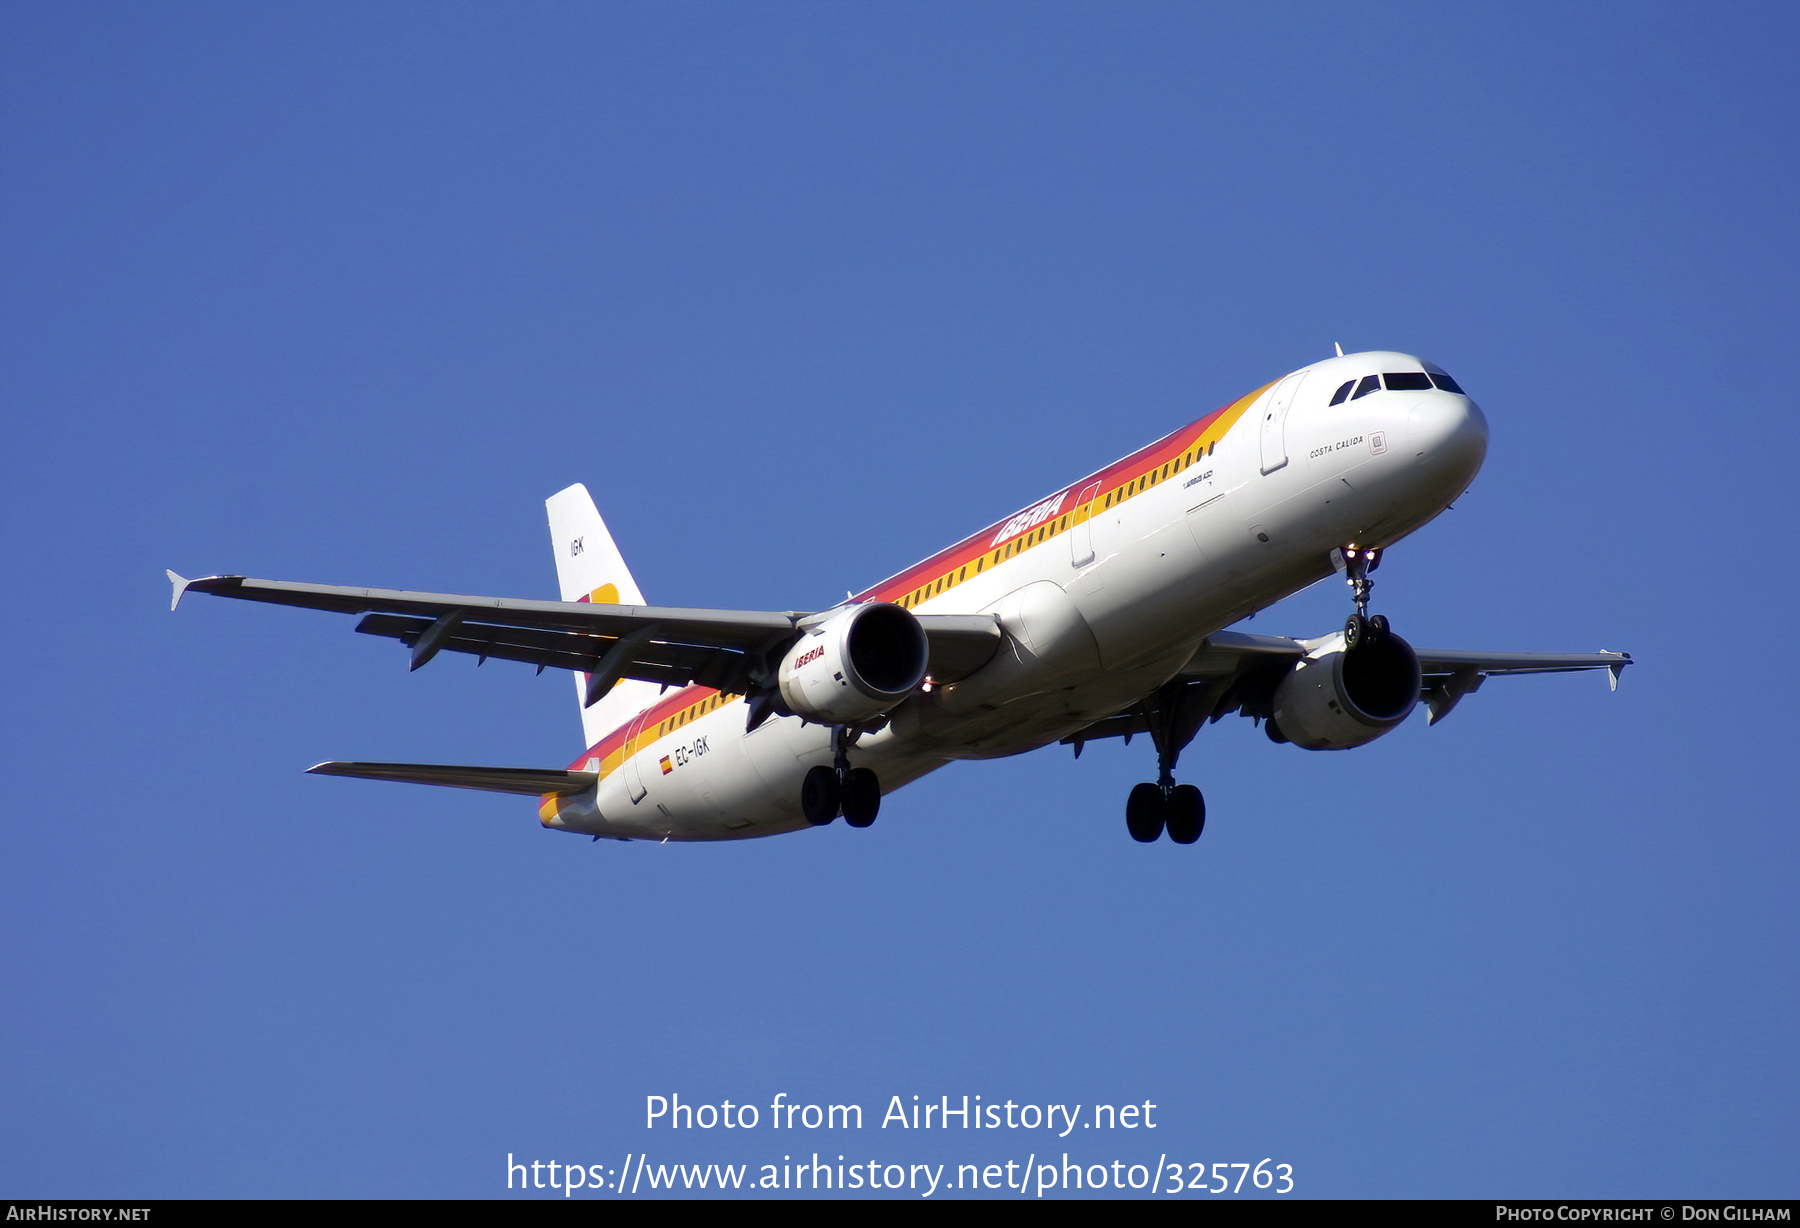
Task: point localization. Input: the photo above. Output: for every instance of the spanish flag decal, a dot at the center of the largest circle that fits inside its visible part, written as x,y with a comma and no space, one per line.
667,767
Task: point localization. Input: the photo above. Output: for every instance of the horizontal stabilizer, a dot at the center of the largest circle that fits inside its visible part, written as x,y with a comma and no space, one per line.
532,781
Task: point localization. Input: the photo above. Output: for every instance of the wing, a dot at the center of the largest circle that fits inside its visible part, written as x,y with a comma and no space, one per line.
1450,673
1233,671
727,650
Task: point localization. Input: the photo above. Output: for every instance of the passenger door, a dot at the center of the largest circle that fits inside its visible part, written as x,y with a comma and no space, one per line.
1274,418
1081,530
634,780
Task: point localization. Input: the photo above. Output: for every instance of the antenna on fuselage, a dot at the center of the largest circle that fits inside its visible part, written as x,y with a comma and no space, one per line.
1338,346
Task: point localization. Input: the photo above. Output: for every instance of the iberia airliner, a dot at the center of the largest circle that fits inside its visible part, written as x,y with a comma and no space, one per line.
1099,611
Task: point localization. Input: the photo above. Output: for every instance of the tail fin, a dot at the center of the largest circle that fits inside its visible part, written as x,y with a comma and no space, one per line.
590,568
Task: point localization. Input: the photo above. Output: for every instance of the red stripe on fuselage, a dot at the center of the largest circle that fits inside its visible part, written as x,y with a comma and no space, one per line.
1120,472
1154,455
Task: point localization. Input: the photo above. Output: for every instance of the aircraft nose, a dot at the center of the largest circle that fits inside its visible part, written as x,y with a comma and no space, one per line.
1449,433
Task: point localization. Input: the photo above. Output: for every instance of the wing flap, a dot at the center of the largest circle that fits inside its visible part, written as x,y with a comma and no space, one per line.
533,782
659,661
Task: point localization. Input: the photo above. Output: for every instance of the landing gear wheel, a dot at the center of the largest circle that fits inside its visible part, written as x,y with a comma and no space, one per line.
1187,814
1378,628
1145,811
1356,630
1274,731
861,797
819,796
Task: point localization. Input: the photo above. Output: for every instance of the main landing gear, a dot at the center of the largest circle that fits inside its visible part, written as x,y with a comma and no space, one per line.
1174,718
1179,810
828,791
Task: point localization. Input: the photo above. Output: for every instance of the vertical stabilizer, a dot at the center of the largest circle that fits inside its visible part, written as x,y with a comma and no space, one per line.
590,568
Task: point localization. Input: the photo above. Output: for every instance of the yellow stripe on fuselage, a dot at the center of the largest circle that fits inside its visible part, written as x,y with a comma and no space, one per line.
1126,480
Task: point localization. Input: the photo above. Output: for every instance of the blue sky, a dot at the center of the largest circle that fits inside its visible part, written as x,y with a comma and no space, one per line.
804,293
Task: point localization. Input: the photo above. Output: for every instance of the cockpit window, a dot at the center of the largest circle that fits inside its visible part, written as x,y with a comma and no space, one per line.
1407,381
1338,397
1370,383
1446,383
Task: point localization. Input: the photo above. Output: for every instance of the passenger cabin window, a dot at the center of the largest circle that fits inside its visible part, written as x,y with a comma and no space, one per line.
1446,383
1343,393
1370,383
1407,381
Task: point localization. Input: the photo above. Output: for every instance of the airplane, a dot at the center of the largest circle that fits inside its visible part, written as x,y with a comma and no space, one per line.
1102,610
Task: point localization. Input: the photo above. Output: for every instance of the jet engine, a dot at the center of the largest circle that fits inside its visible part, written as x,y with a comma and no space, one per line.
1335,698
854,664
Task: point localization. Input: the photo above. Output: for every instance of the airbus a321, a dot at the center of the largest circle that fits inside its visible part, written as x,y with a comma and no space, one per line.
1100,611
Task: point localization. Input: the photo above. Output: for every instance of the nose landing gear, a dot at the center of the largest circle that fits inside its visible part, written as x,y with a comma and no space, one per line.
828,791
1360,628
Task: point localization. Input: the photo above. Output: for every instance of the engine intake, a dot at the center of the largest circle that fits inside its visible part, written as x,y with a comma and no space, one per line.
856,664
1334,699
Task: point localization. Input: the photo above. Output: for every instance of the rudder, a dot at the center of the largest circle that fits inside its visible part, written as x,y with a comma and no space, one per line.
589,567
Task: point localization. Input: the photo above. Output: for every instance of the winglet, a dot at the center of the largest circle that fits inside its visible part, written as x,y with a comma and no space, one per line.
180,583
1612,673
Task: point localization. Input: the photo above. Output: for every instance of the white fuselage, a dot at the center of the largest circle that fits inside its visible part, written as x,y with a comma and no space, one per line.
1209,525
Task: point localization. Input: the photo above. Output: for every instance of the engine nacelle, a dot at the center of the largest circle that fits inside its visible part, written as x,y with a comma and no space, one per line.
1333,699
856,664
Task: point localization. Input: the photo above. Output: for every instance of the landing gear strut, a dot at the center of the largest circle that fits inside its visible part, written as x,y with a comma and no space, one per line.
1174,715
827,791
1359,628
